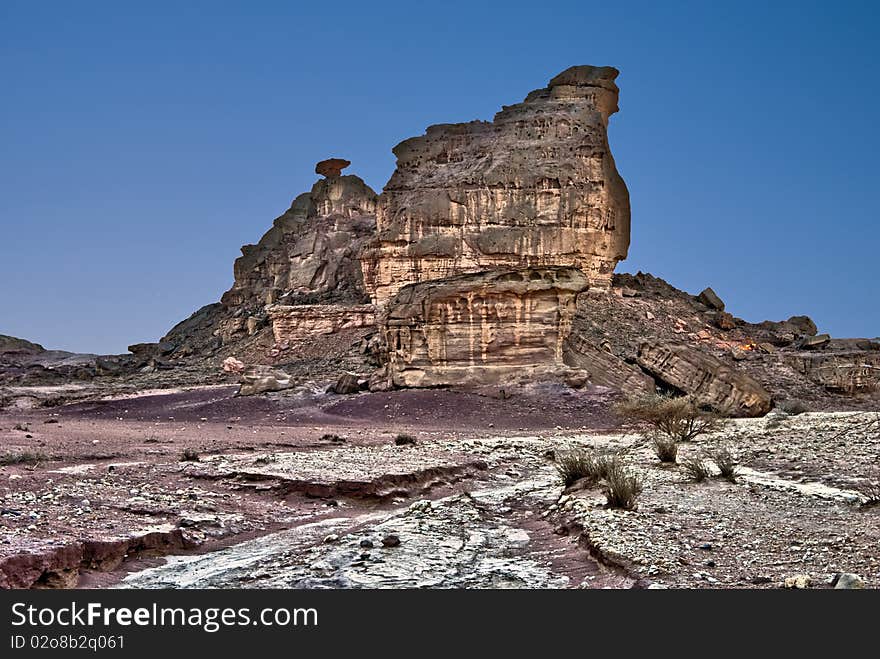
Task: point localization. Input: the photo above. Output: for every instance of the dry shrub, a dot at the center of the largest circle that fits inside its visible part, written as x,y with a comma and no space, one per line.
189,455
696,469
666,448
870,490
679,418
24,457
404,440
622,487
725,462
576,465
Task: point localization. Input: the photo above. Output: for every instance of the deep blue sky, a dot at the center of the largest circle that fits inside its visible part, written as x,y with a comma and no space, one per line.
142,143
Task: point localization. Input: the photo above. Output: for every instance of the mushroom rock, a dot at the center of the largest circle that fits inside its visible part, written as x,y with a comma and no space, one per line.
332,167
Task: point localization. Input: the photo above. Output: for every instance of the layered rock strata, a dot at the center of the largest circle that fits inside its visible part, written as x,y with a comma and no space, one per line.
299,323
480,328
714,383
535,187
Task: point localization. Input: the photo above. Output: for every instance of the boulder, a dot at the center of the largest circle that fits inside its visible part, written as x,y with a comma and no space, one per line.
803,324
711,299
261,379
725,321
347,384
712,382
814,342
233,365
847,581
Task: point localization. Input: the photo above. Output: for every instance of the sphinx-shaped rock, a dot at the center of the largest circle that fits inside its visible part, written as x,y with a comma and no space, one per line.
484,328
536,187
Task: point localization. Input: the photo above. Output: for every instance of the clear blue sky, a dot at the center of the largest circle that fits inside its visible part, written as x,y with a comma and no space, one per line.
142,143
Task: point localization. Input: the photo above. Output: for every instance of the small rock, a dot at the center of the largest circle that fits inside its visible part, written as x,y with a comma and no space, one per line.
798,581
847,581
331,538
366,543
391,540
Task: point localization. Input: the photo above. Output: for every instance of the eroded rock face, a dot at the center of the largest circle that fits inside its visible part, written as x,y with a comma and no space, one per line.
535,187
297,323
310,253
712,382
480,328
605,368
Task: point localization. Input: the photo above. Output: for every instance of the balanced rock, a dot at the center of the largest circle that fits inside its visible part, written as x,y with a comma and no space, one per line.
712,382
535,187
332,167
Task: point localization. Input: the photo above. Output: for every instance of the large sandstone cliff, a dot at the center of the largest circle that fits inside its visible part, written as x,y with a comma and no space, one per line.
535,187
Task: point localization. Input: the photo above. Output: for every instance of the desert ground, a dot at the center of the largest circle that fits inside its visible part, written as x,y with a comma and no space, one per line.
196,487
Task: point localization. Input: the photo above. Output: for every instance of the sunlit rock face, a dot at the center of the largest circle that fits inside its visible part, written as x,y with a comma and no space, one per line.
484,328
535,187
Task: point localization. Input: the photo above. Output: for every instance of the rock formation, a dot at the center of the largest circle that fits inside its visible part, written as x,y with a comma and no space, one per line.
713,383
485,328
310,253
536,187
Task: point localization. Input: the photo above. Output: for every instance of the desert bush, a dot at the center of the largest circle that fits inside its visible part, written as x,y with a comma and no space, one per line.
403,439
54,401
870,490
696,469
189,455
793,407
725,462
622,487
679,418
575,465
24,457
329,437
666,448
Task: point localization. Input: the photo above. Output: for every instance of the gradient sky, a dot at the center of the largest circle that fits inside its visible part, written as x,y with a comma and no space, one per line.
141,144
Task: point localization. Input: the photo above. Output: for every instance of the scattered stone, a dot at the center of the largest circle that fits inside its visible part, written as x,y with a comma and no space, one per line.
798,581
847,581
366,543
391,540
233,365
725,321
